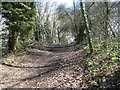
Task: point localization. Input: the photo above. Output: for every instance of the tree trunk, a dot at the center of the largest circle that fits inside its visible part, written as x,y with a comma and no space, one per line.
12,41
119,28
58,36
86,22
106,25
75,24
37,31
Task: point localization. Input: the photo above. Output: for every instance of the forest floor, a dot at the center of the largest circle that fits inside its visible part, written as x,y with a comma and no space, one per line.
53,66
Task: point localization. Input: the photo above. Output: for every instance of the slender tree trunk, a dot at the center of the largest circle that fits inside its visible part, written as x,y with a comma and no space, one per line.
106,25
119,29
36,31
87,26
0,21
58,36
75,24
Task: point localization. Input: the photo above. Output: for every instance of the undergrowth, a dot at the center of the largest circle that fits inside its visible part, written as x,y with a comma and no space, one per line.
102,68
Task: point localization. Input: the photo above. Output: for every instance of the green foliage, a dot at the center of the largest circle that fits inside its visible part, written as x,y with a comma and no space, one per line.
20,18
100,66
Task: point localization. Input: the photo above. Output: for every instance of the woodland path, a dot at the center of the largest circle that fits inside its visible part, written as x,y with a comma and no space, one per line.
53,66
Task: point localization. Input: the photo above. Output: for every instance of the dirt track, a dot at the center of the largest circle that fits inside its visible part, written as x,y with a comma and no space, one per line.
52,67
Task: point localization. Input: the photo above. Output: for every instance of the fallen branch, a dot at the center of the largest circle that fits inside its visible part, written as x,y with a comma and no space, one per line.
9,65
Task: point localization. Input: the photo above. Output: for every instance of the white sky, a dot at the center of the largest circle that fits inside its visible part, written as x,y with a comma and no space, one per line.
67,2
70,2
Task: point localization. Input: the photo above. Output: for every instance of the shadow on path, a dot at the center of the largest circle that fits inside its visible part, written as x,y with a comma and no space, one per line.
55,48
52,63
